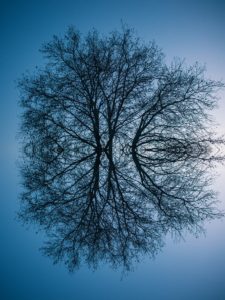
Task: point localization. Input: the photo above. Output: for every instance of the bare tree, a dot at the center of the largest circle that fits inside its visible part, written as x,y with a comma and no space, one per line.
117,148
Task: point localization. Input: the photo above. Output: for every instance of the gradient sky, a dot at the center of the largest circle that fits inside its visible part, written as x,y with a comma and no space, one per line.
192,269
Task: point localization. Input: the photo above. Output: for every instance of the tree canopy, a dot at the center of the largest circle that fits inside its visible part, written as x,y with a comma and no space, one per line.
117,148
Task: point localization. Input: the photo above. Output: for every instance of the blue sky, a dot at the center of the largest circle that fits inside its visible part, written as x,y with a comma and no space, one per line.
194,269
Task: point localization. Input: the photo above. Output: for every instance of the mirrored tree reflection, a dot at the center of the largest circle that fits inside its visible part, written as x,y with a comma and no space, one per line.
117,148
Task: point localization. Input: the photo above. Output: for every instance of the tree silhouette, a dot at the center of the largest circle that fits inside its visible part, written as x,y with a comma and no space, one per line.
117,148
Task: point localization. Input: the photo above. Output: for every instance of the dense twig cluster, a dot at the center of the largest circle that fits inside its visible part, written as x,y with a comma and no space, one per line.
116,148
